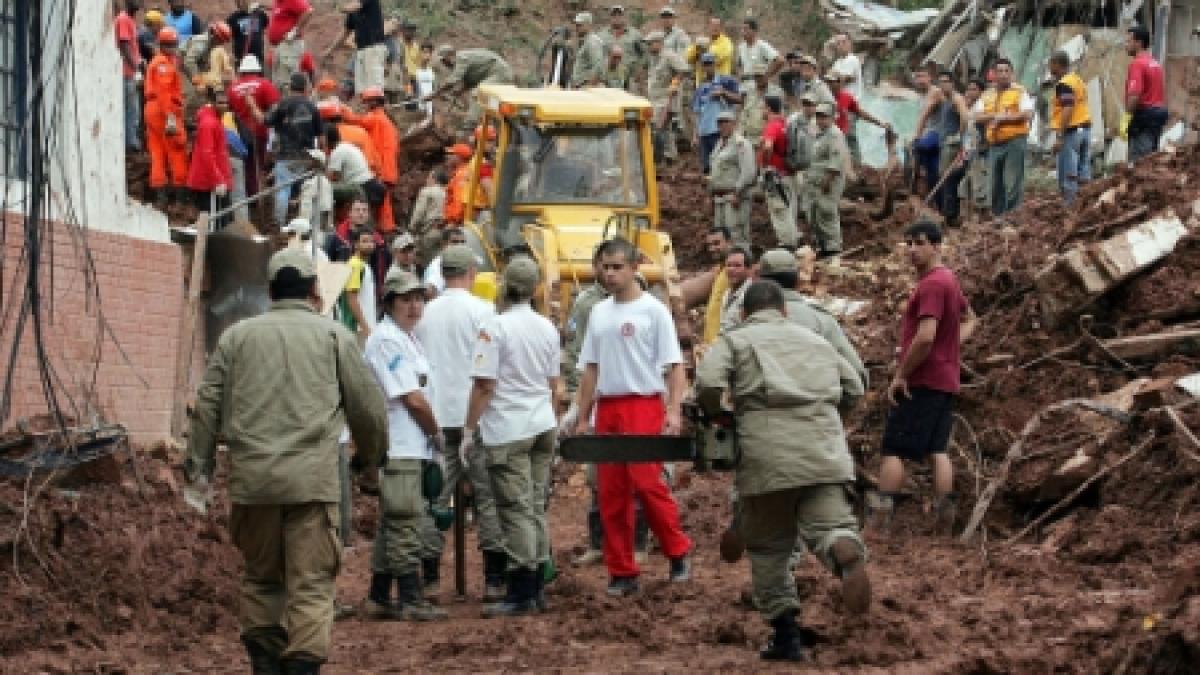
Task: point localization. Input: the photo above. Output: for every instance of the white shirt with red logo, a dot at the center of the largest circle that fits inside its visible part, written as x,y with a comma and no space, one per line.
631,344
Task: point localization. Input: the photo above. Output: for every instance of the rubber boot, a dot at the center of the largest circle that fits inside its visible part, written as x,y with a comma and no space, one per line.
494,565
300,667
412,603
521,598
851,563
431,578
263,660
379,606
545,574
784,643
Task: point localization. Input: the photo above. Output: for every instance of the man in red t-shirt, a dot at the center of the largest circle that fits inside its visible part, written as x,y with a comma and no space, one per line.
778,180
845,104
1145,95
131,64
250,97
288,18
937,319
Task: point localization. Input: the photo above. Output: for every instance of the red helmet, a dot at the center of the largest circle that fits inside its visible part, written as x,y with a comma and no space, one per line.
221,31
168,36
329,110
373,93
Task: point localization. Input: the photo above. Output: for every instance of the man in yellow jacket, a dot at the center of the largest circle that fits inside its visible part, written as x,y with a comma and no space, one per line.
718,242
1072,120
1005,111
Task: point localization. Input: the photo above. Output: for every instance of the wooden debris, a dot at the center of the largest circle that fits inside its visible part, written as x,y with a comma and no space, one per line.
1154,345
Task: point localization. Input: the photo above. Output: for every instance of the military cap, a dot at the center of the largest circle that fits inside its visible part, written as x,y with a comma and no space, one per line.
809,98
777,261
758,69
654,36
403,241
726,116
708,58
666,11
825,109
583,17
809,59
297,259
831,77
522,275
703,41
443,51
400,282
458,257
616,9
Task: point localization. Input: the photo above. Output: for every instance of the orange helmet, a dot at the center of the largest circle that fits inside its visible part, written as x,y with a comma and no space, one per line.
373,93
329,109
479,133
221,31
168,36
327,86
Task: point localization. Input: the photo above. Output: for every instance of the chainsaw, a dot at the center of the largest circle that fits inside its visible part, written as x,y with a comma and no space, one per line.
711,446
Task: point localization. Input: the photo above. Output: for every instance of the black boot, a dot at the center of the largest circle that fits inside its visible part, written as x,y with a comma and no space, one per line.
378,606
595,530
784,644
494,565
431,577
300,667
521,597
540,597
263,659
412,603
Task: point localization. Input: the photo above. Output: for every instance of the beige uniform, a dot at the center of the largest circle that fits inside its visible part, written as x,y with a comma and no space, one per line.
665,73
795,469
278,390
588,67
733,173
631,44
828,157
473,67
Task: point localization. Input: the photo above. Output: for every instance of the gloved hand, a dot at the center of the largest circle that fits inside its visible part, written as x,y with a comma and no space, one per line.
221,190
198,495
566,426
292,34
172,125
437,443
465,448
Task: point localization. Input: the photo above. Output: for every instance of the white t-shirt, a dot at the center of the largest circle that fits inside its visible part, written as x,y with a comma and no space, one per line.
433,275
348,161
761,53
852,66
400,367
631,344
448,331
520,350
425,84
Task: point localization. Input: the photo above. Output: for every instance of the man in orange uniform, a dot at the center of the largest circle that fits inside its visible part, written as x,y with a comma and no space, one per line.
387,142
166,135
334,113
457,164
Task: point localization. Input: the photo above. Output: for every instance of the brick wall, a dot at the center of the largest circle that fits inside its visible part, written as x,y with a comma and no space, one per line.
141,299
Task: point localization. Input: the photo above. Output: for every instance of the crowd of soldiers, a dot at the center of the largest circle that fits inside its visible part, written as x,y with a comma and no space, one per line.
440,373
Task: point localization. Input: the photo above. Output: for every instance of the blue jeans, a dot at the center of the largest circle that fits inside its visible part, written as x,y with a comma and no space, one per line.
133,115
1074,166
927,150
286,170
1145,132
1007,166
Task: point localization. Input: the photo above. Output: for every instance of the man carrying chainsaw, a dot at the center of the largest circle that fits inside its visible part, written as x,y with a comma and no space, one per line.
793,470
630,343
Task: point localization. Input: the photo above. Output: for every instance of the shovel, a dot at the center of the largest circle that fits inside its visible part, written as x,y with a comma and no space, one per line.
921,207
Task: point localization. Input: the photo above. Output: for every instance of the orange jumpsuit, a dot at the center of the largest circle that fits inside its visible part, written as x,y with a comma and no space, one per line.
456,189
386,140
357,136
164,96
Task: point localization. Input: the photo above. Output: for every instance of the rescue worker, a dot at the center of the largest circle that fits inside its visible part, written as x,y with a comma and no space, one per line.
251,97
469,68
617,73
283,481
630,343
452,324
734,173
665,73
404,254
588,66
794,471
386,139
1145,95
402,370
333,112
739,270
753,115
824,182
779,181
1071,118
209,173
166,134
204,62
755,53
1006,111
620,34
675,39
513,414
458,157
975,187
807,81
427,210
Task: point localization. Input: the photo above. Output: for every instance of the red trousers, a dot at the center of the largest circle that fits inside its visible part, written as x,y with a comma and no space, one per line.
618,484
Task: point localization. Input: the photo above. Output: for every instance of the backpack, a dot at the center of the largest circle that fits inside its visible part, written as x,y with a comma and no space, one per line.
799,143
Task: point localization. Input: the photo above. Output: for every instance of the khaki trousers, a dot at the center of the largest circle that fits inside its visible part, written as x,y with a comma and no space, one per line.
292,555
783,211
520,472
491,537
770,524
369,65
399,544
736,218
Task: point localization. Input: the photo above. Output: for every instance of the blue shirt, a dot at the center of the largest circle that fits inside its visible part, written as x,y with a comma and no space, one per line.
184,24
709,106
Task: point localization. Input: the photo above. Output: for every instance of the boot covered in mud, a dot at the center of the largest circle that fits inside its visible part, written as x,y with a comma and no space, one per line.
494,565
431,578
300,667
412,605
521,598
784,643
264,659
880,506
378,606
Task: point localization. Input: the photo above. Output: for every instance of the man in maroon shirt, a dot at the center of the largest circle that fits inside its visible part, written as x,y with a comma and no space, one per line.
777,177
936,320
1145,95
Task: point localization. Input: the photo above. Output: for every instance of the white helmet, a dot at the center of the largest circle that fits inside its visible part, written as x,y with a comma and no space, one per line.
250,64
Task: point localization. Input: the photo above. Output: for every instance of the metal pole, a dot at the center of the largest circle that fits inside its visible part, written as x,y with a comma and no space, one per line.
269,191
460,541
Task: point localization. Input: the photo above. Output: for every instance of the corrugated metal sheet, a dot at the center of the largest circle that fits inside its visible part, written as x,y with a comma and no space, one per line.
885,19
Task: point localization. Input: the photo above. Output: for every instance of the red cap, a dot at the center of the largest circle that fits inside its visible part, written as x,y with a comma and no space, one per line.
168,36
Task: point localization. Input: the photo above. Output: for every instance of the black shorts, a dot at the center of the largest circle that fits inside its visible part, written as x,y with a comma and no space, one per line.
920,425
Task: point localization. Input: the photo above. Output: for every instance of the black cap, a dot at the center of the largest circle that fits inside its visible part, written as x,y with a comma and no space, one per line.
299,82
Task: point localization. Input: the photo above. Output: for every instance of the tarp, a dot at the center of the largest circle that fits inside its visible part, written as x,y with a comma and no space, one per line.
885,19
901,107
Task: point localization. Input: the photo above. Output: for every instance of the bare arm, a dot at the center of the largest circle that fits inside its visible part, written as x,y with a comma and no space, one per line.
422,412
586,397
482,391
341,39
128,50
918,351
970,321
964,115
356,311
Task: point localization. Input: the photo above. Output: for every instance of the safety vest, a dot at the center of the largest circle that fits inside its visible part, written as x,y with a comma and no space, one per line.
1080,113
997,102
